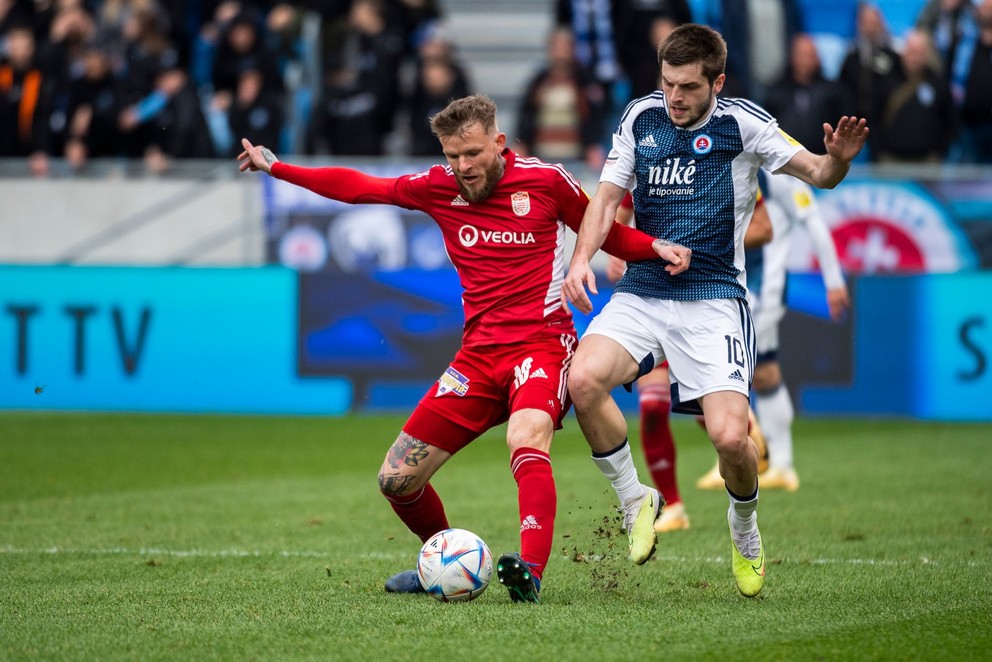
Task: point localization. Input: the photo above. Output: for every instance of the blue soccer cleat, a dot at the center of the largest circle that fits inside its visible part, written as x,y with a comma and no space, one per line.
404,582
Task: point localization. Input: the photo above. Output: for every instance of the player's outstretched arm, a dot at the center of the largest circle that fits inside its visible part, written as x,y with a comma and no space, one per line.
842,144
255,158
344,184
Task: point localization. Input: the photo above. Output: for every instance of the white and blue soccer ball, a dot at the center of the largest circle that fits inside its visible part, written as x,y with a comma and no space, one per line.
455,565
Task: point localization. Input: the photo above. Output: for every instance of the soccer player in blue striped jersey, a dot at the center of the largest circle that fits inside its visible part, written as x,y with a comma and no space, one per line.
690,159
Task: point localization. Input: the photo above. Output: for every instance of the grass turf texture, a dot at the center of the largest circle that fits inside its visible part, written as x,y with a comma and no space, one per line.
241,538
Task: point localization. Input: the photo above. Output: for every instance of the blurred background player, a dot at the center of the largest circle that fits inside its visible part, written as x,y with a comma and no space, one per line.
655,400
790,203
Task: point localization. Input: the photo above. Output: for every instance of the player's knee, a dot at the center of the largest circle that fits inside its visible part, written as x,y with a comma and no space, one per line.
730,441
584,386
394,483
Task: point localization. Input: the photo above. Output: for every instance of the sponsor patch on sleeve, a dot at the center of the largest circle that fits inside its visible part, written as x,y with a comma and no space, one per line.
452,381
792,141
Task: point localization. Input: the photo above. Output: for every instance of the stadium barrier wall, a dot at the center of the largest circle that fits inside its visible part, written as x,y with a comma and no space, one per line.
230,340
156,340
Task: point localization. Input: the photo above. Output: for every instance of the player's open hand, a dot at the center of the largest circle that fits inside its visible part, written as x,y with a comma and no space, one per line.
255,158
844,142
573,290
839,302
676,255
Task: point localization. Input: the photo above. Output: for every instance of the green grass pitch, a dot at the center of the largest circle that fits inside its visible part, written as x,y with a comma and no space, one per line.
158,537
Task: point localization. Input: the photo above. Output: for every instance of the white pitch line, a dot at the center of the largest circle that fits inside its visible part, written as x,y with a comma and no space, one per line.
391,556
187,553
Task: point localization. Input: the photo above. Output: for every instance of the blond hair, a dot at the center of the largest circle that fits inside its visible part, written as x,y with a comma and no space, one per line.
462,113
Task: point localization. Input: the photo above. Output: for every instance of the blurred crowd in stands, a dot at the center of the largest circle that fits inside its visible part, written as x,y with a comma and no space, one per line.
159,80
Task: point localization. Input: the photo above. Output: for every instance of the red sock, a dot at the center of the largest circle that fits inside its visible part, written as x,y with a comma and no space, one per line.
657,441
538,502
422,511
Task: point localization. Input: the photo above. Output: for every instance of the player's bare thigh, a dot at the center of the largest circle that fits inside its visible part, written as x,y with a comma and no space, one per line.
600,363
409,464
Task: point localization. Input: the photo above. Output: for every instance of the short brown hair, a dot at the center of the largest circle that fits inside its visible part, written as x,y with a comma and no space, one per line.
464,112
690,43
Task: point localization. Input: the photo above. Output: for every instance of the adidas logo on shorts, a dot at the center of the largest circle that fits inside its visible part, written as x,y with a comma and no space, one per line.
736,374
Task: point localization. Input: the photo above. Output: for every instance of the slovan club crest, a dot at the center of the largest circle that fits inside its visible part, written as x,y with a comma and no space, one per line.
521,203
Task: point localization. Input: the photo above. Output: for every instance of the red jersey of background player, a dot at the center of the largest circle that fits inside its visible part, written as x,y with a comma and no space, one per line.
508,249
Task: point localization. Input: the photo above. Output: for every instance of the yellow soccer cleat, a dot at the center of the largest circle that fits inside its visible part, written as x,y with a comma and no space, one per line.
673,518
779,479
748,573
638,522
711,480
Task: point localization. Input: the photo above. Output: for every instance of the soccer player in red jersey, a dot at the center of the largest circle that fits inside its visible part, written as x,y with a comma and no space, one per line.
503,221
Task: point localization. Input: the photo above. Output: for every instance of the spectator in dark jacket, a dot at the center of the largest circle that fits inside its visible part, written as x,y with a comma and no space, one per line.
356,110
917,120
638,28
440,79
803,99
24,102
254,114
93,107
975,142
869,67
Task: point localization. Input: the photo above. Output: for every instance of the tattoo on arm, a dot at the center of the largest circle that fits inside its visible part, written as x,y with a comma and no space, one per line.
269,157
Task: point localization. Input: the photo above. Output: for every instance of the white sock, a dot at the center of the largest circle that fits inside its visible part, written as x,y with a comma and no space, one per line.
618,466
743,515
775,413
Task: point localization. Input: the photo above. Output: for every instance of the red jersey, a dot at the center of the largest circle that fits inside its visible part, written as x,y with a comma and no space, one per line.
508,249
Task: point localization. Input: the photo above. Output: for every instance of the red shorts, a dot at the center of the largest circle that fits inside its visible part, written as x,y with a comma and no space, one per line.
484,385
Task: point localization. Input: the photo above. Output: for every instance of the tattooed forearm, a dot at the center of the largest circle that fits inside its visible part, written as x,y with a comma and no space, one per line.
407,450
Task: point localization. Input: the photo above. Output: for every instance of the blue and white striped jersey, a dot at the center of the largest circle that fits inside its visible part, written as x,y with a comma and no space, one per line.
695,186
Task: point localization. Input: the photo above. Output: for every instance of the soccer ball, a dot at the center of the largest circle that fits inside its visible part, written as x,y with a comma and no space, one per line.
455,566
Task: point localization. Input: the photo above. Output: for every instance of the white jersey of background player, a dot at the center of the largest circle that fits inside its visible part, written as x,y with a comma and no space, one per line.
790,203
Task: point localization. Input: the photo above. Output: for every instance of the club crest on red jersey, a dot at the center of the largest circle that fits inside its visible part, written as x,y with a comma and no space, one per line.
521,203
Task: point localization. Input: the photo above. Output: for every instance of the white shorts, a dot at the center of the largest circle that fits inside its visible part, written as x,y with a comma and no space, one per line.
709,344
766,321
